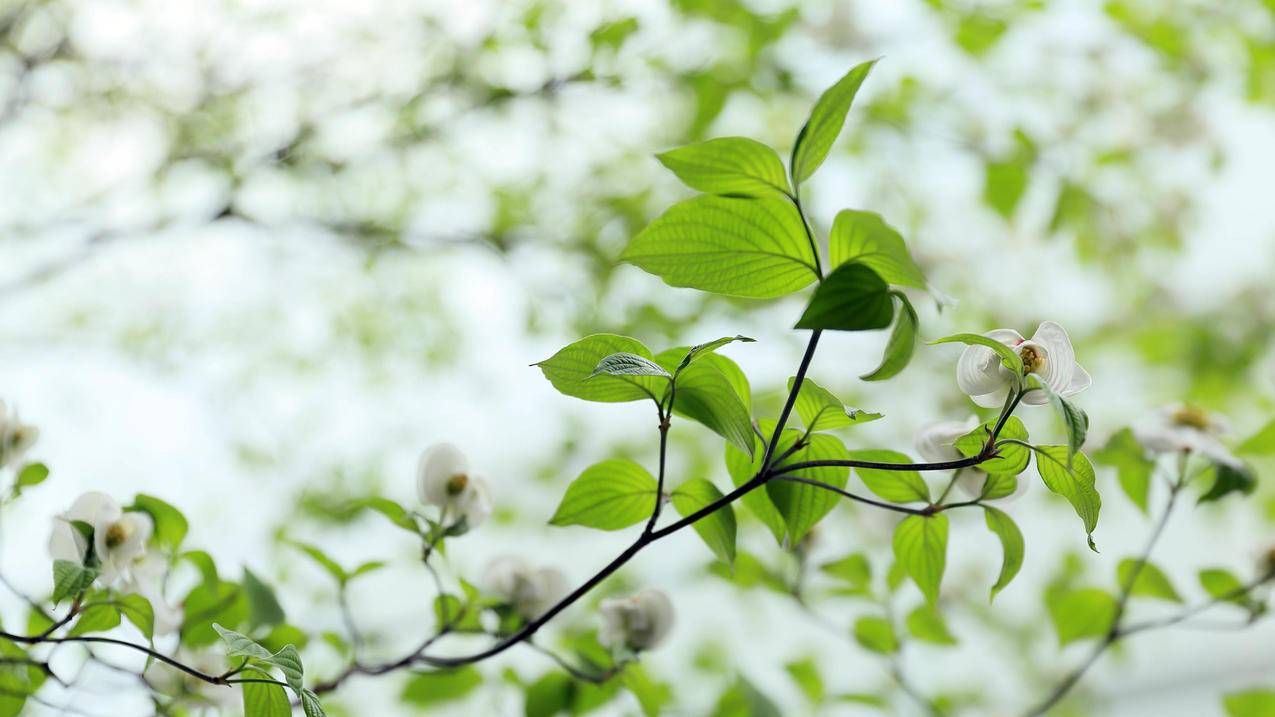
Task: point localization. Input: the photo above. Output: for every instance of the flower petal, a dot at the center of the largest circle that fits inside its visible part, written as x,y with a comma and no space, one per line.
1080,380
436,467
979,369
1060,361
995,399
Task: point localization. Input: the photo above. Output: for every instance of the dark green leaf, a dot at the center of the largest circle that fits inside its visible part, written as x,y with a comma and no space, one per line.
263,606
852,298
1230,479
70,579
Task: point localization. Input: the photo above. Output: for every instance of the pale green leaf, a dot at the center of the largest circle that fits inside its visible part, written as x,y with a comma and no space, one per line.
264,608
170,525
700,350
742,468
1082,614
821,411
98,617
1151,581
1250,703
70,579
826,119
610,495
927,624
893,485
735,166
627,364
707,395
1008,356
1074,482
717,529
805,673
1012,546
571,371
264,700
803,506
1133,468
426,689
1013,457
866,238
876,634
1261,443
920,546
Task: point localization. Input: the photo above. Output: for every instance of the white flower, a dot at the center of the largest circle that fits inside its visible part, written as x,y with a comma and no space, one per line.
937,441
1179,428
638,622
119,538
147,579
530,591
16,437
1048,354
443,479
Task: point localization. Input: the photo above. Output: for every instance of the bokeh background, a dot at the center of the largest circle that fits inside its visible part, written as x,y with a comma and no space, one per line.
258,254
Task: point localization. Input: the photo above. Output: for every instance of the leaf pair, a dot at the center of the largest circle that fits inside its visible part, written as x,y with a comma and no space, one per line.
268,699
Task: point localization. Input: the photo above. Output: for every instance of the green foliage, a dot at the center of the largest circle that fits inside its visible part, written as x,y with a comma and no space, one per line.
426,689
699,351
627,364
920,547
1006,177
1133,468
1229,479
1082,614
803,506
741,469
264,700
743,699
652,696
826,119
852,298
927,624
902,343
892,485
571,370
1250,703
29,476
876,634
805,673
1221,584
170,525
332,567
864,237
1013,457
854,571
263,607
729,166
819,410
70,579
1261,443
19,678
753,248
1012,546
610,495
717,529
1074,481
1150,581
706,394
287,660
98,617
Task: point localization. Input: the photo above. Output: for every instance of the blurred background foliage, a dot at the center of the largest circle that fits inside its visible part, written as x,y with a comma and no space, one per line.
339,227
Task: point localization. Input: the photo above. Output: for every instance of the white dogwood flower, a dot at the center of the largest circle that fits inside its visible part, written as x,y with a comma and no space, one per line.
1047,354
638,622
1180,428
16,437
119,537
937,442
443,479
530,591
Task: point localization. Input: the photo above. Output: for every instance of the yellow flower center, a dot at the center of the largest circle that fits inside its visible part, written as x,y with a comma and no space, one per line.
1032,359
456,484
116,535
1192,417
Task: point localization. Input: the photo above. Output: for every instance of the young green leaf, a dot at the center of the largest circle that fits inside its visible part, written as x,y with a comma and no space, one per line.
652,696
70,579
264,608
1082,614
708,396
852,298
854,570
803,506
170,525
894,486
427,689
1230,479
927,624
321,558
821,411
610,495
1075,483
1013,457
920,546
700,350
31,475
805,673
1221,584
262,699
1075,421
902,343
826,119
717,529
1133,468
1261,443
1012,546
730,166
866,238
98,617
397,514
1150,582
876,634
754,248
1011,359
627,364
1250,703
571,371
311,705
137,610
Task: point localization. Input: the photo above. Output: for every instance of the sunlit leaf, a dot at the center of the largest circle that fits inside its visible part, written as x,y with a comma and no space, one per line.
610,495
728,166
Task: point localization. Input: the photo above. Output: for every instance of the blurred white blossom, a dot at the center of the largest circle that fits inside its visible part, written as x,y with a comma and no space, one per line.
638,622
531,591
119,537
444,479
1180,428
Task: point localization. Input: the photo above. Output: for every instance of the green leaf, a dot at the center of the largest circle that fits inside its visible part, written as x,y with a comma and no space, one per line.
1133,468
311,705
741,469
1013,457
548,696
170,525
1250,703
651,695
32,474
1075,421
263,606
821,411
754,248
826,119
1005,179
1009,357
852,298
894,486
18,679
1076,483
397,514
321,558
138,611
210,604
98,617
240,645
876,634
627,364
803,506
70,579
927,624
743,699
1230,479
805,673
264,700
866,238
1261,443
610,495
920,546
706,395
426,689
1222,584
998,485
902,343
1082,614
700,350
1151,581
571,371
1012,546
732,166
854,570
717,529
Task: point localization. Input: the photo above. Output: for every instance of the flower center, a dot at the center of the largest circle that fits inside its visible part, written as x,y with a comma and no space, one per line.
456,484
1191,417
116,535
1032,359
